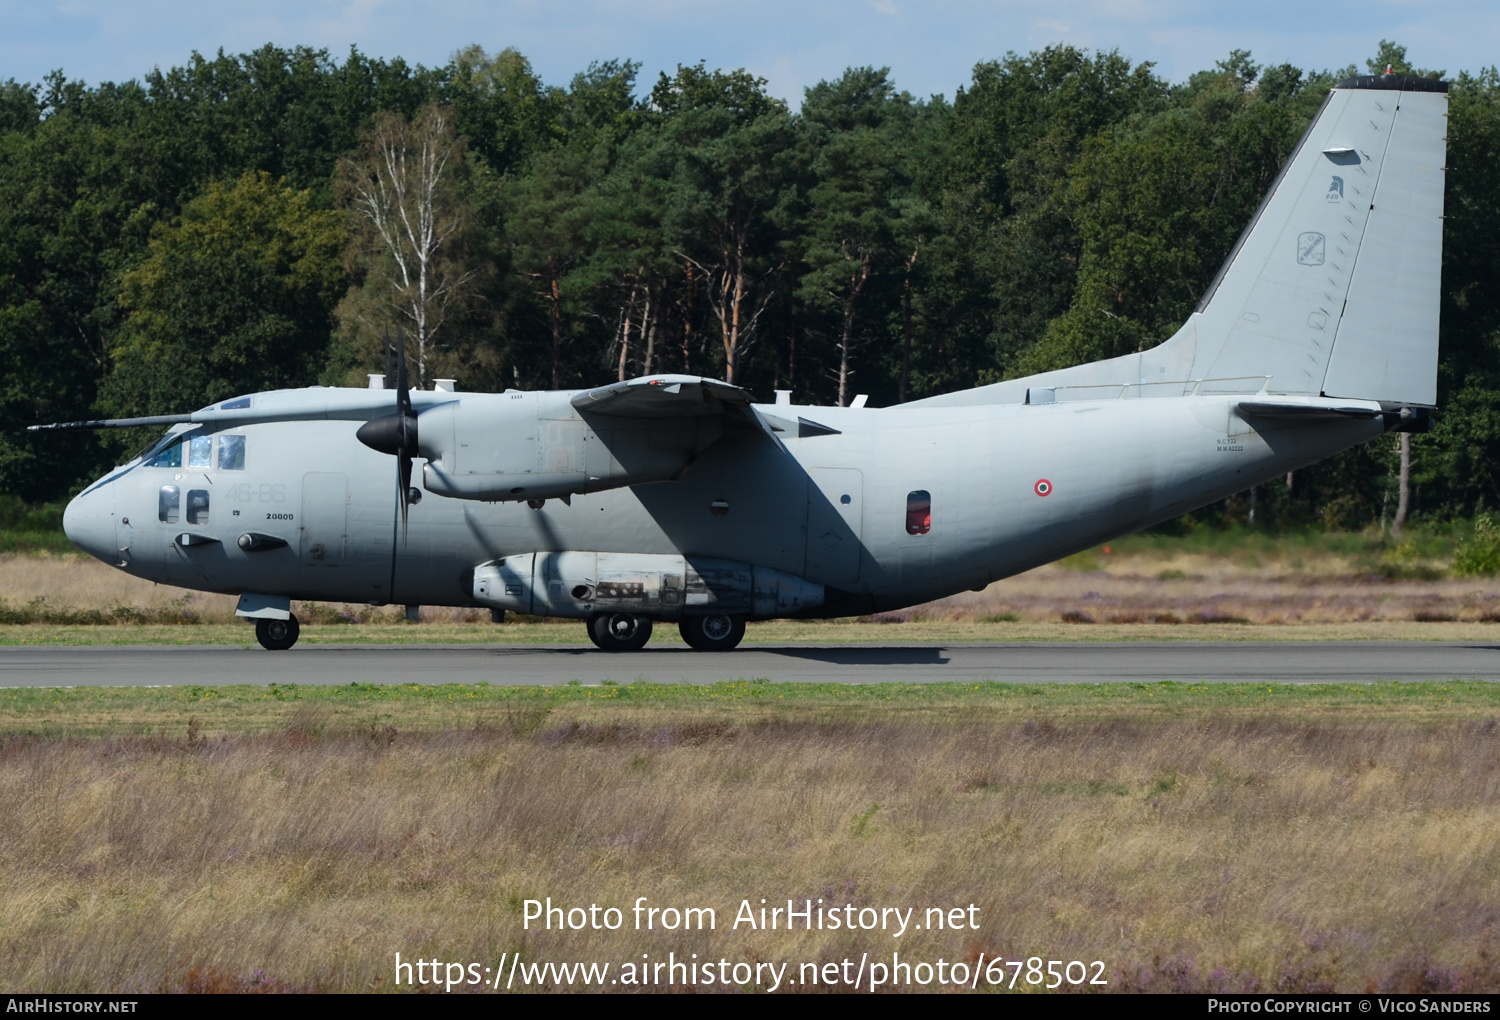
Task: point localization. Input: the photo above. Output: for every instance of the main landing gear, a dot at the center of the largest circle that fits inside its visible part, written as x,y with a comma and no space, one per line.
626,632
277,635
619,632
718,633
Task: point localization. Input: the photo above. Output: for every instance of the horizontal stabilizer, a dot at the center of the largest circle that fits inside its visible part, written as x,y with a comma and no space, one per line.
1307,410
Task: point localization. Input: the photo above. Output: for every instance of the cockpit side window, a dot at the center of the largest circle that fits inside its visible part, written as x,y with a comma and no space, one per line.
918,512
201,452
169,457
169,502
231,453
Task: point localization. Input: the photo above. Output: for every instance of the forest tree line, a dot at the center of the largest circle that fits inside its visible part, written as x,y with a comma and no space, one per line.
248,222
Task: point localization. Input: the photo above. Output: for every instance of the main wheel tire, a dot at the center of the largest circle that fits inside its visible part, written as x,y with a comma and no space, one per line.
717,633
277,635
620,632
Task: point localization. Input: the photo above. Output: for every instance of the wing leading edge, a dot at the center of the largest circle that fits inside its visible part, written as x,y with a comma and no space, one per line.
675,396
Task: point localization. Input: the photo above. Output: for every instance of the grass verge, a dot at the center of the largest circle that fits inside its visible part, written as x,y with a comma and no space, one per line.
237,711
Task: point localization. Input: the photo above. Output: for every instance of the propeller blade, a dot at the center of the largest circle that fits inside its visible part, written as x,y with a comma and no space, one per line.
407,426
403,483
403,390
388,379
396,434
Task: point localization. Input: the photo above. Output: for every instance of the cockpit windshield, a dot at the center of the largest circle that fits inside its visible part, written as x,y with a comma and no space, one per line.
193,448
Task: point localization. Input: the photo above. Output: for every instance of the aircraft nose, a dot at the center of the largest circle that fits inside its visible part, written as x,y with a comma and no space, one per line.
89,522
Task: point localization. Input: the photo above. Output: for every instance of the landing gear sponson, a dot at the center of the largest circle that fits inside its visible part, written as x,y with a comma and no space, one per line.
621,594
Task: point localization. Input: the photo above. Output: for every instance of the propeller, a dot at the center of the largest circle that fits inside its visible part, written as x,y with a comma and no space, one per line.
396,434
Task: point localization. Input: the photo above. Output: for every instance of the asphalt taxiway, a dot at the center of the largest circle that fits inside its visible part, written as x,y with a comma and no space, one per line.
1029,662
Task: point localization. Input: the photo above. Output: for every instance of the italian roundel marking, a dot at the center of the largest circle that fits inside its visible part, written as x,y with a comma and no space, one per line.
1043,487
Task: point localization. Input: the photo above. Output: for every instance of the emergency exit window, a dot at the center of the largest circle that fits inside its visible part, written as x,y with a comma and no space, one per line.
231,453
169,503
197,508
918,512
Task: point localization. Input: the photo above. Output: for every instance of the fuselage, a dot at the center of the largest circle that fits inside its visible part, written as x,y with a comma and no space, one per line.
888,508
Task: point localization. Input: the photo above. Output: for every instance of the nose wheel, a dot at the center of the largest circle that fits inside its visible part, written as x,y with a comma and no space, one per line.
277,635
619,632
717,633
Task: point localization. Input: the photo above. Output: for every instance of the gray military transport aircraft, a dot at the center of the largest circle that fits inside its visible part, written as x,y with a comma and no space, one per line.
676,498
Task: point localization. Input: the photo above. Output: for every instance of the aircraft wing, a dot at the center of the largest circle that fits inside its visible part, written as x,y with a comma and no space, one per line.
673,396
664,396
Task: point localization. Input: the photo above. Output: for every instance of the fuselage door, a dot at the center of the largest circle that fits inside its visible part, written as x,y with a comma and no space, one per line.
325,512
835,523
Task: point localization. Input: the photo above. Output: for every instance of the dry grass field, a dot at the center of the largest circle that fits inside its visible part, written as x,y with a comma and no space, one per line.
1233,837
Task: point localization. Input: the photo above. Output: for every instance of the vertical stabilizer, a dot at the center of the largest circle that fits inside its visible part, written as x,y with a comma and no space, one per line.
1387,343
1333,288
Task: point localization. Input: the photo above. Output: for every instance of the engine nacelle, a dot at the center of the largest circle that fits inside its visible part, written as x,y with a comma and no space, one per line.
521,446
667,587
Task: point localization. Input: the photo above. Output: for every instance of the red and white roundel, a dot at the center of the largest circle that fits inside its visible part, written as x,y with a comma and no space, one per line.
1043,487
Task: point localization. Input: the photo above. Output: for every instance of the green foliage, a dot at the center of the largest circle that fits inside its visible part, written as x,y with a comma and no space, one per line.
862,216
235,296
18,515
169,241
1458,461
503,108
1156,201
1390,56
1480,556
739,93
547,214
32,527
723,168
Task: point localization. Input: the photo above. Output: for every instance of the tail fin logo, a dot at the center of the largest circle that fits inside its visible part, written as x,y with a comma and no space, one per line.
1335,190
1310,248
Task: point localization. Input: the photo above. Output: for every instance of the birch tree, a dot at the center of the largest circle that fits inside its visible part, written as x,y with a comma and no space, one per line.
408,223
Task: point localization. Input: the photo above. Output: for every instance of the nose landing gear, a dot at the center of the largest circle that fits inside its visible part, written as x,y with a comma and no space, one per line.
277,635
